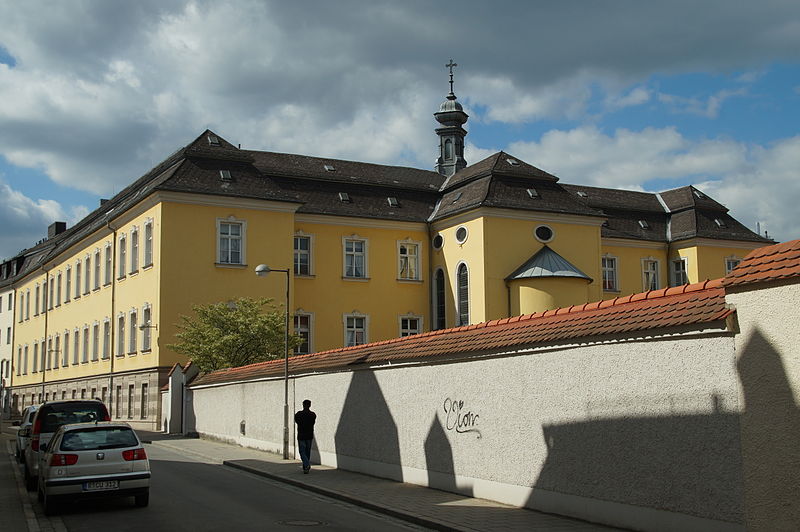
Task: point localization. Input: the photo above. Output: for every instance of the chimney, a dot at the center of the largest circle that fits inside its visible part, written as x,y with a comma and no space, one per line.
56,228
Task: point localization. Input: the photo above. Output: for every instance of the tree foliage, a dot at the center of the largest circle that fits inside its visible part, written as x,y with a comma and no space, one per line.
225,335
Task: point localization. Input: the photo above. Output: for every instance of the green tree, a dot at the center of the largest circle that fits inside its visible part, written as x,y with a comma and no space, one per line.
225,335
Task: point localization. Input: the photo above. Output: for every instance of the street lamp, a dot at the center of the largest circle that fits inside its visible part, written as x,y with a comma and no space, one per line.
263,270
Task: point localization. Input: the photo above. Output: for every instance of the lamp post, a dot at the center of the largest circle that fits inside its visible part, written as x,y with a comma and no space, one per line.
263,270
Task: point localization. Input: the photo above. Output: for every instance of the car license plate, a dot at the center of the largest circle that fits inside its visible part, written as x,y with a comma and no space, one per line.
101,485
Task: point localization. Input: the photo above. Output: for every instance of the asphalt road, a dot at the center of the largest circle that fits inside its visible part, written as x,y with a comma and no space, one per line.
187,493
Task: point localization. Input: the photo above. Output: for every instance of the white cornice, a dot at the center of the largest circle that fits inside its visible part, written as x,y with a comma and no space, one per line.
325,219
629,243
531,216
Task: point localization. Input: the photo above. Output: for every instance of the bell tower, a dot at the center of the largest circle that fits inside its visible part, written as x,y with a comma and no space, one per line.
452,117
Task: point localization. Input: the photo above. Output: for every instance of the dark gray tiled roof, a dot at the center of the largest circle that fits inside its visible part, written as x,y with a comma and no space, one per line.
500,163
547,263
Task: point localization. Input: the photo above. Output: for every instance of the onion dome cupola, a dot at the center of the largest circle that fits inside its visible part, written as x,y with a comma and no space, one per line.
451,135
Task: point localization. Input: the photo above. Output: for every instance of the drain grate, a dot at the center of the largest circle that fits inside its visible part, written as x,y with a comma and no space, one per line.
301,522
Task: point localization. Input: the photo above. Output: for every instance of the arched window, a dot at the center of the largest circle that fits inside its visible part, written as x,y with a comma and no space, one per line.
439,303
463,294
448,150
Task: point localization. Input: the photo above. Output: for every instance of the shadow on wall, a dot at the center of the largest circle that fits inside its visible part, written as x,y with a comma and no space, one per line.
367,431
439,460
723,466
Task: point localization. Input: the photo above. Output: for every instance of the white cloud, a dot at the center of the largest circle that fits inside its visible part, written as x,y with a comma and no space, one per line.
637,96
708,108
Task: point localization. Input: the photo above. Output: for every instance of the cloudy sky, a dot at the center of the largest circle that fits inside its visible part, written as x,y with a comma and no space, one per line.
630,94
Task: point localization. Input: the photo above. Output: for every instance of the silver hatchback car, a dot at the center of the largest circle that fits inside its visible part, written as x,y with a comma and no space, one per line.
88,460
23,433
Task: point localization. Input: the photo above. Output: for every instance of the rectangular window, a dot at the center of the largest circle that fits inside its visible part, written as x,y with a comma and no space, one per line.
28,304
93,394
21,306
25,362
50,295
87,284
57,352
97,269
609,267
8,335
132,332
409,261
65,357
409,326
679,274
143,410
118,400
355,258
147,331
104,394
85,357
83,393
1,303
35,368
355,330
36,302
58,290
122,257
134,251
302,255
74,394
130,400
95,341
44,296
106,338
731,263
19,361
77,280
120,336
43,354
76,346
109,268
230,243
650,274
49,353
68,291
302,328
148,244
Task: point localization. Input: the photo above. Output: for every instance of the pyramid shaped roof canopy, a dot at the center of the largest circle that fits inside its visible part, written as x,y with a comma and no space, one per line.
547,263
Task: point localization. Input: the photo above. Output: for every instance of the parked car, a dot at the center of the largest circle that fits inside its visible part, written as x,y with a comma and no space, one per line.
48,418
88,460
23,434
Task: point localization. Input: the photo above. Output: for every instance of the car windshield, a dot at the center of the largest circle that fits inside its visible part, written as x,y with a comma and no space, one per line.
94,438
57,415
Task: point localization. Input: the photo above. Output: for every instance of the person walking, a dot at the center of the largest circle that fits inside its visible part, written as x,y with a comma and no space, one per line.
305,419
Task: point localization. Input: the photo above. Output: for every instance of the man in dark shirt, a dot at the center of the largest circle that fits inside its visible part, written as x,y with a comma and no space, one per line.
305,419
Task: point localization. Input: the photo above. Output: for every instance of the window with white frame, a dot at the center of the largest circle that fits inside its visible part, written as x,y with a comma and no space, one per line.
122,256
147,318
355,330
35,368
132,332
77,279
462,294
51,287
120,335
44,296
85,357
36,301
19,360
410,325
65,354
43,354
57,352
49,357
96,269
302,328
679,272
649,274
134,250
130,400
731,263
87,284
609,267
148,243
28,304
106,338
302,255
25,362
21,306
408,255
230,241
108,267
68,286
58,289
439,303
143,410
76,346
95,342
355,258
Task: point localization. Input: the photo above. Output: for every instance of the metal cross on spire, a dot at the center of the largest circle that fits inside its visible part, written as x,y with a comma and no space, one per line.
450,65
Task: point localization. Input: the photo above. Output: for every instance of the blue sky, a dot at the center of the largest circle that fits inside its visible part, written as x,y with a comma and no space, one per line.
625,94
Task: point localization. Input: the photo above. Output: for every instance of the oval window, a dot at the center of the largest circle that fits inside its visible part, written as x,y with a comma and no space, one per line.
461,234
438,242
543,233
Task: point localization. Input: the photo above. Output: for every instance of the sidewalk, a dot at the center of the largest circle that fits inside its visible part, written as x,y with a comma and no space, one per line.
426,507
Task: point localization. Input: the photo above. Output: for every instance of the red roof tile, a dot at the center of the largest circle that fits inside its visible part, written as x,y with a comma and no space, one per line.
781,261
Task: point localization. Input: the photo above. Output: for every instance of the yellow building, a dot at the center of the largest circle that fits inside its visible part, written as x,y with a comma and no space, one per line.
372,252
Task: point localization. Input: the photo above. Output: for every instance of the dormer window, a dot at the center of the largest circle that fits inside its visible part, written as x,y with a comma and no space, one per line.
458,197
344,197
582,194
329,168
698,194
213,140
643,224
720,223
533,193
225,175
393,202
512,162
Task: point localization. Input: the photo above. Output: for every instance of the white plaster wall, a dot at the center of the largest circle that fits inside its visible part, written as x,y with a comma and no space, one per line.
6,349
650,426
768,362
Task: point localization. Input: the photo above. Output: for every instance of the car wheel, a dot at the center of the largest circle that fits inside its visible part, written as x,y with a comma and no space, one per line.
49,504
30,480
142,499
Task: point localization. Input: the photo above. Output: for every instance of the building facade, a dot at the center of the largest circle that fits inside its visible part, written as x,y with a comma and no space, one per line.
373,251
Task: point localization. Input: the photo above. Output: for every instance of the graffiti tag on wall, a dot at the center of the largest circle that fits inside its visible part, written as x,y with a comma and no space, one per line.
459,419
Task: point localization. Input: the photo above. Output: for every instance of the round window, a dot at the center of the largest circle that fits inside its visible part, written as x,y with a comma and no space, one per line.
438,242
461,234
543,233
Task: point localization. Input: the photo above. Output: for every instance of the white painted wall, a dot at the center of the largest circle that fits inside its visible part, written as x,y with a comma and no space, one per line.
6,347
641,433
